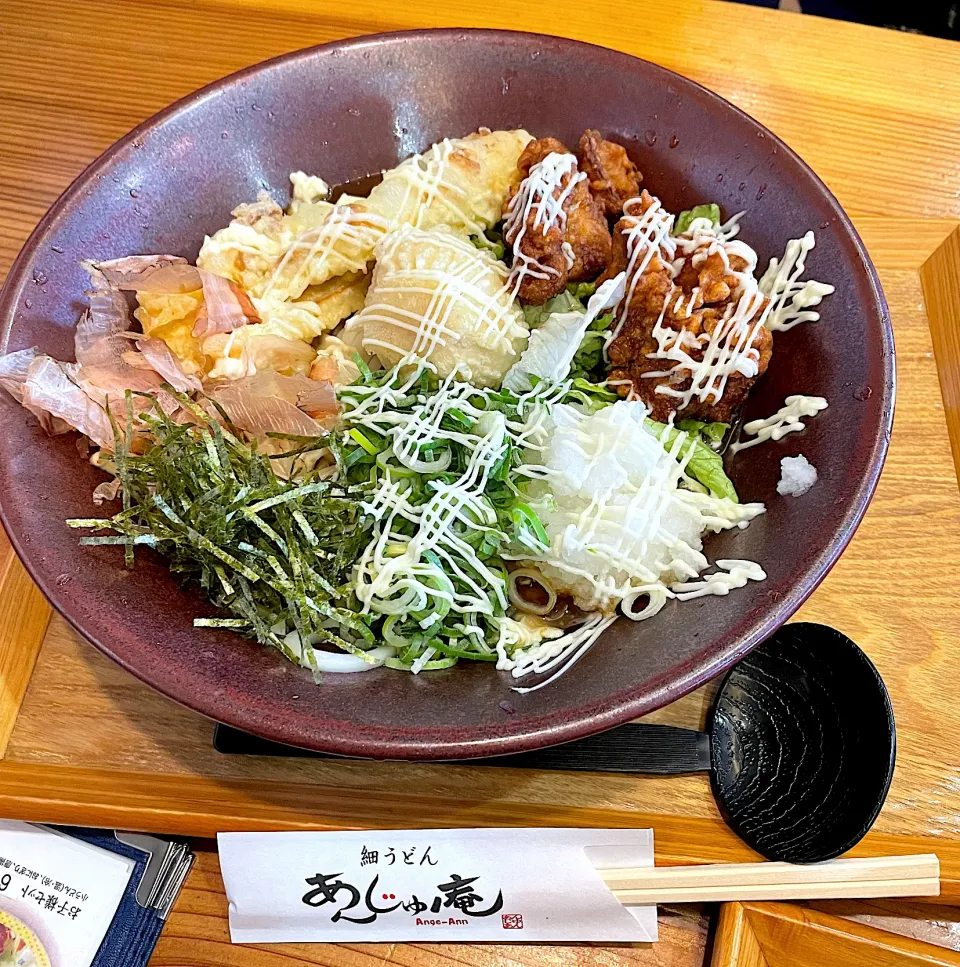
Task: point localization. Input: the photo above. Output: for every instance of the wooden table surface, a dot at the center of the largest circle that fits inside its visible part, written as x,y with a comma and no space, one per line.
877,115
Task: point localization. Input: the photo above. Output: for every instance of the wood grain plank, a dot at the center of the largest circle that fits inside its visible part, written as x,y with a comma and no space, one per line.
793,936
735,944
903,244
940,276
842,105
24,616
201,806
196,935
931,923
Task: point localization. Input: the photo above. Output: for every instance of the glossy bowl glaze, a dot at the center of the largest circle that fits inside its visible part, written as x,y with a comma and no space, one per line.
346,110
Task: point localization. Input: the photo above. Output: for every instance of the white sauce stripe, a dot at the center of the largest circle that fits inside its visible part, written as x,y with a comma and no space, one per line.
788,419
732,574
345,233
540,195
455,288
791,299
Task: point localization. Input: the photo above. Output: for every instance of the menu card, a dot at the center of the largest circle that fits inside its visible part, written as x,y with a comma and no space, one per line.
58,896
502,885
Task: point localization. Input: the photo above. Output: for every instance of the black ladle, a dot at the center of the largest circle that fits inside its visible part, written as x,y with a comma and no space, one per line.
800,746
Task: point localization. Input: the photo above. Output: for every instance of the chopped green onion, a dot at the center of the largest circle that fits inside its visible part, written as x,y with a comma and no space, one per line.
525,519
358,436
365,373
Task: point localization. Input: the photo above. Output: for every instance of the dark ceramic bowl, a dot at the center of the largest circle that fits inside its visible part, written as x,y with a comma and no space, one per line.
345,110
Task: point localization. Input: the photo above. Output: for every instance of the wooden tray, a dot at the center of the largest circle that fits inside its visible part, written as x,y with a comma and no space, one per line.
786,935
197,933
84,742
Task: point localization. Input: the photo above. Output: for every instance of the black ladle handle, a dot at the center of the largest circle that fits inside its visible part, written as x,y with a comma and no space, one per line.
655,749
662,750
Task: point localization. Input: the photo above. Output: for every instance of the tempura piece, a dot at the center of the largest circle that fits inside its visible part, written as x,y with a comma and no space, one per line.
307,189
171,317
460,183
320,309
436,296
251,350
196,325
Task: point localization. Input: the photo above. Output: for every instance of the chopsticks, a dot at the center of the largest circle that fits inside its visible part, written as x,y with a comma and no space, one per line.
859,878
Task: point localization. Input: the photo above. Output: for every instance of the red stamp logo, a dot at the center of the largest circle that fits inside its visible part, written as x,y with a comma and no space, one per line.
512,921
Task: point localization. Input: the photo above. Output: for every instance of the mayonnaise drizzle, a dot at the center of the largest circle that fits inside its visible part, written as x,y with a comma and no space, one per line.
426,186
792,298
454,287
732,574
564,652
350,230
728,349
788,419
396,575
647,234
540,195
346,233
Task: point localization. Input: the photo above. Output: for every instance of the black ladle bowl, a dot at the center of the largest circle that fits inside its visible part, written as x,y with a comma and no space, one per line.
800,746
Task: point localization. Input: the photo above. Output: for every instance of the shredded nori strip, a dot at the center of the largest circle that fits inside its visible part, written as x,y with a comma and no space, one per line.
262,548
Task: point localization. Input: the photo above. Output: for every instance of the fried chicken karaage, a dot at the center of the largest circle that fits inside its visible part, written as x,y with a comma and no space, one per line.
688,340
614,179
556,225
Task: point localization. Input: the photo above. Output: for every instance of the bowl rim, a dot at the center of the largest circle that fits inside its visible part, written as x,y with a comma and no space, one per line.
577,726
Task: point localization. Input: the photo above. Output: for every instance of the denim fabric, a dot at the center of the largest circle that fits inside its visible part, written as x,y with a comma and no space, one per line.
131,937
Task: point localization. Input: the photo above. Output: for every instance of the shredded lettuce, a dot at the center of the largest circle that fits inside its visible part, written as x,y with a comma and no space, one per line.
685,219
536,316
587,363
491,241
713,433
549,354
588,359
573,299
705,464
582,291
590,396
